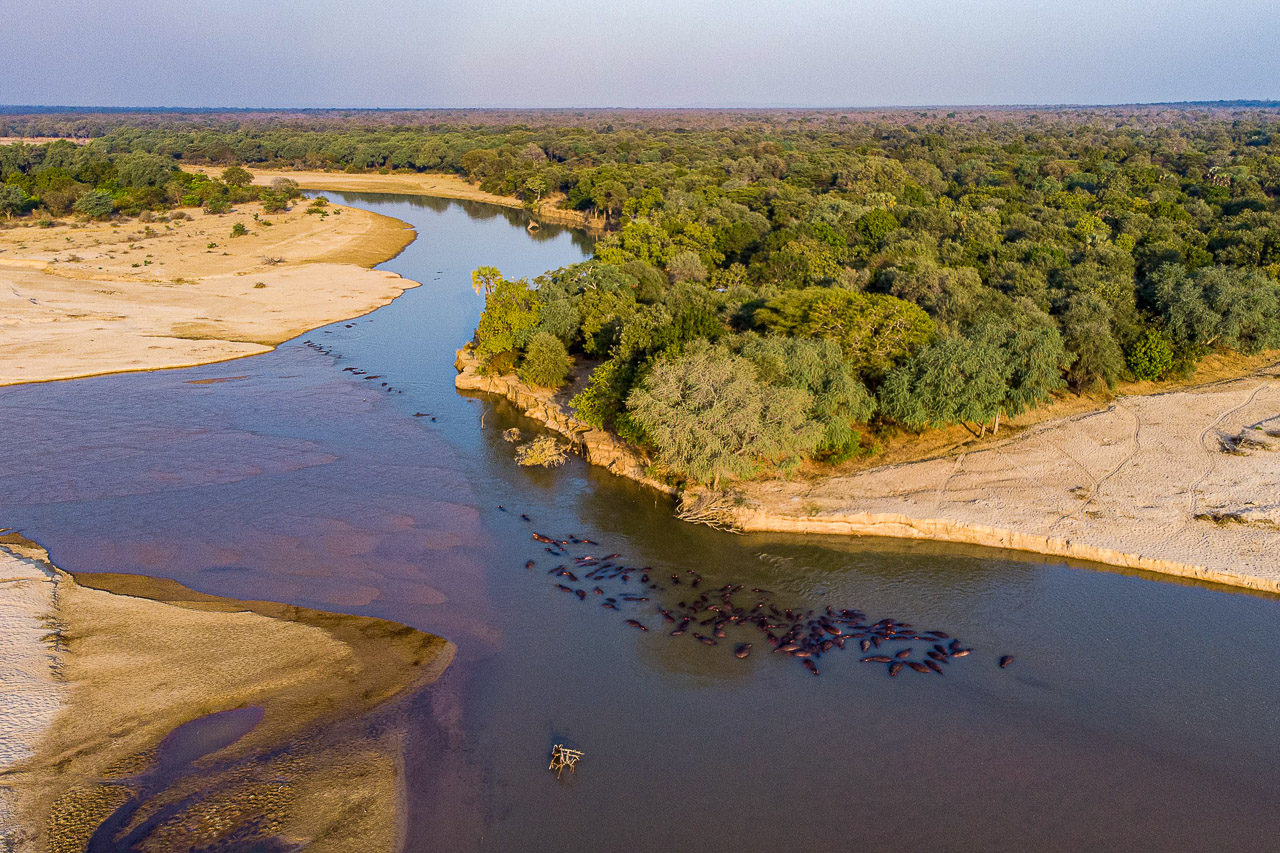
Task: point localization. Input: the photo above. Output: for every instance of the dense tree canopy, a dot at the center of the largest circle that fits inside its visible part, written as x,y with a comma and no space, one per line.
912,267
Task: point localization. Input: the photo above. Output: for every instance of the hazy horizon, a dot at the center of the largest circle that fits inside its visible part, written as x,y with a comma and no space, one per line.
588,54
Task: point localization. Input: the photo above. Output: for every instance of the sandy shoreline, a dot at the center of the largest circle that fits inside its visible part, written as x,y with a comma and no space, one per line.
81,299
120,661
1182,483
412,183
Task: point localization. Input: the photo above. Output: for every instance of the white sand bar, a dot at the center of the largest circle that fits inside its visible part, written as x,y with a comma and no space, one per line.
30,693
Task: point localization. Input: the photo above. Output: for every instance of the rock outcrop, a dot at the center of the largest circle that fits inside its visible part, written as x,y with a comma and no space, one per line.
548,408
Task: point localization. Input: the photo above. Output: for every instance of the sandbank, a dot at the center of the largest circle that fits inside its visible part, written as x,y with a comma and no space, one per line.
415,183
121,660
1183,483
79,299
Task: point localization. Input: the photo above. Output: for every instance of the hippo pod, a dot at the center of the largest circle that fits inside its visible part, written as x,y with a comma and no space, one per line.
805,634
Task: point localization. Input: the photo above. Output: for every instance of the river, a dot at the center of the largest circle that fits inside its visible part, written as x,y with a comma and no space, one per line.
1139,713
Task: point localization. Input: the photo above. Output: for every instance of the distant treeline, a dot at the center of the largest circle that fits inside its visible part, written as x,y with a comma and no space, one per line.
776,284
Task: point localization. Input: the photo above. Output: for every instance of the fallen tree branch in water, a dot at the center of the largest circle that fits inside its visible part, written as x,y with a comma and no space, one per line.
712,508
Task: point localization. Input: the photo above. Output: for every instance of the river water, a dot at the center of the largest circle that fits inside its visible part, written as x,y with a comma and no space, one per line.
1139,714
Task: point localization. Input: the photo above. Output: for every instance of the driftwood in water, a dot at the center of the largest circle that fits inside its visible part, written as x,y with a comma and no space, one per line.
562,758
712,508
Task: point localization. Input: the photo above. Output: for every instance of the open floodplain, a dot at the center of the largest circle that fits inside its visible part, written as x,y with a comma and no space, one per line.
1139,713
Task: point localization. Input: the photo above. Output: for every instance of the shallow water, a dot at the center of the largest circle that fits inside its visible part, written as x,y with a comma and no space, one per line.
182,747
1140,714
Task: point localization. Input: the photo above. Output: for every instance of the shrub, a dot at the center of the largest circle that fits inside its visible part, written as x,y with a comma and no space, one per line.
1150,356
500,363
95,204
601,401
546,362
238,230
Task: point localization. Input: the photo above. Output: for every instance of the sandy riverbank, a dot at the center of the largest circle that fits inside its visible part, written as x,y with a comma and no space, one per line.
411,183
1181,483
1184,483
119,661
79,299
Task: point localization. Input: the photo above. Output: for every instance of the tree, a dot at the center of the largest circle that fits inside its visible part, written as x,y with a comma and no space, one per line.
510,314
141,169
711,419
608,197
605,304
1217,307
873,330
876,224
12,200
650,281
485,279
95,204
803,263
947,293
535,187
237,176
1086,332
955,380
839,400
546,361
1090,229
1033,352
687,266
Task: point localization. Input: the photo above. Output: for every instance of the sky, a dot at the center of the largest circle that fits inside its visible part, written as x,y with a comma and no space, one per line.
635,53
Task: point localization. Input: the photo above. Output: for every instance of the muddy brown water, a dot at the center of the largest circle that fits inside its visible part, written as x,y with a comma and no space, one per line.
1139,714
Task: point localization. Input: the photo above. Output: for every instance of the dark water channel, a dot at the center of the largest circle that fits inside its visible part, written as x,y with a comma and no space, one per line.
1140,714
182,747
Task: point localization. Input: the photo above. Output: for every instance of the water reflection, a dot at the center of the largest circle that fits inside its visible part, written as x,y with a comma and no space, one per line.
478,212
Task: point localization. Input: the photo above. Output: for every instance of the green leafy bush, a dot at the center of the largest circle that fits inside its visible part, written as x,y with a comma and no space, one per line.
1150,356
546,361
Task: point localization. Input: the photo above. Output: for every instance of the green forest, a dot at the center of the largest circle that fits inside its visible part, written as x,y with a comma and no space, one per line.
773,287
97,182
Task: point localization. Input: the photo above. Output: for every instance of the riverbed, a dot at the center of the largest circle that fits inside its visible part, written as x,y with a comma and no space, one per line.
1139,712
